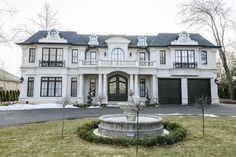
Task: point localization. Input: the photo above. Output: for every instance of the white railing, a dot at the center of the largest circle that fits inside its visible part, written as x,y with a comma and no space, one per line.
89,62
124,63
118,62
147,63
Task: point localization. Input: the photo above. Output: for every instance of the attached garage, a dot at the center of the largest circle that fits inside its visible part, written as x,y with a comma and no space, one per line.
169,91
198,88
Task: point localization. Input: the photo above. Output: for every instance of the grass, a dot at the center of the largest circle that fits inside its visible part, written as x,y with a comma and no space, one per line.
43,139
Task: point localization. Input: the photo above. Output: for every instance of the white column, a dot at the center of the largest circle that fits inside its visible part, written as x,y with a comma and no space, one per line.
81,88
64,86
184,90
214,92
105,86
154,96
99,84
136,92
157,94
131,82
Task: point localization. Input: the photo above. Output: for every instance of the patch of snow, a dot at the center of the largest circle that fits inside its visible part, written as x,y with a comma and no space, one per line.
211,115
30,106
184,114
94,107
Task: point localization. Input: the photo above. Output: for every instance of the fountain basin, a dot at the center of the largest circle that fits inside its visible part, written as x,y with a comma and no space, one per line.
117,125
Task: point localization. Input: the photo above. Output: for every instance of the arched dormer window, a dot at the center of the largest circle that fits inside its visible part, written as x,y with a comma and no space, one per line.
117,54
142,41
93,40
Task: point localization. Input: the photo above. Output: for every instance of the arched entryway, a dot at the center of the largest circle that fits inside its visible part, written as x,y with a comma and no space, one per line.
117,88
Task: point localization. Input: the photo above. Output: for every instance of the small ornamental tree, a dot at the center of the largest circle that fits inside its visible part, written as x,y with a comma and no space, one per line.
18,94
10,95
89,97
147,102
100,99
202,103
1,97
7,95
63,101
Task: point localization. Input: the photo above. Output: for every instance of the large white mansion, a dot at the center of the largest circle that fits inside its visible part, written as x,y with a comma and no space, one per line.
173,68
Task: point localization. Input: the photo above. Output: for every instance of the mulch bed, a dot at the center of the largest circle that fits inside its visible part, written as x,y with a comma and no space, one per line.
228,101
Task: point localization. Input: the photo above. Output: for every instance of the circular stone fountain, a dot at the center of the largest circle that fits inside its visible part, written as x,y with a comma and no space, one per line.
125,125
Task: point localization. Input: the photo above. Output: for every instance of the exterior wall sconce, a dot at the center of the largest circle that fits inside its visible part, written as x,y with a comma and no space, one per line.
21,79
217,81
105,54
130,54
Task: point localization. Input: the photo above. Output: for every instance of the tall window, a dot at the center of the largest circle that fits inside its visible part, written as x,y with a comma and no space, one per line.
93,55
92,86
32,55
204,57
51,86
162,57
75,56
142,88
117,54
184,59
74,87
30,87
52,57
142,56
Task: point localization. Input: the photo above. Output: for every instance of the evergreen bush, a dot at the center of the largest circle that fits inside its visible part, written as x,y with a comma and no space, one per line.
176,134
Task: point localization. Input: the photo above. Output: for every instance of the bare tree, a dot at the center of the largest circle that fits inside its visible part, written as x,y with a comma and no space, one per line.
47,19
64,102
4,37
215,16
203,102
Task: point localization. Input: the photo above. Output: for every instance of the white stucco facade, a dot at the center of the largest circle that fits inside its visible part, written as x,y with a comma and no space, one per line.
104,66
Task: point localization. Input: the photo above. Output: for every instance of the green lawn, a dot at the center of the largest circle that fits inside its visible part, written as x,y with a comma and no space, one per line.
43,139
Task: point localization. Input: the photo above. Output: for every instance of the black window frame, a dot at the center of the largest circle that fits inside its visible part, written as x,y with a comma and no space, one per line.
32,55
185,59
74,56
48,80
30,87
52,62
142,87
204,54
162,56
73,87
92,86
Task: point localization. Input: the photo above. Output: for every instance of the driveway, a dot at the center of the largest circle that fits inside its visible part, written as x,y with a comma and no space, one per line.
8,118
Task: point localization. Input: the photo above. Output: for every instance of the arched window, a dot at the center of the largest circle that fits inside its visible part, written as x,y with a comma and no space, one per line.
117,54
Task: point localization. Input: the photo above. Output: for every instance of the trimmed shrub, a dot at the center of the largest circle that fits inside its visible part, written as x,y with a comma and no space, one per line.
176,134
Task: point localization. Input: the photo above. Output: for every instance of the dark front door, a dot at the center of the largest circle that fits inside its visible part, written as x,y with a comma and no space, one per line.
198,88
117,88
169,91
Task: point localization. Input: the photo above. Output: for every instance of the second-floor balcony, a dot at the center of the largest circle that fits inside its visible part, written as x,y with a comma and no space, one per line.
43,63
192,65
124,63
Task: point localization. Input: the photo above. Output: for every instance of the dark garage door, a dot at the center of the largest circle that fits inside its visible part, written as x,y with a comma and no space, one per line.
198,88
169,91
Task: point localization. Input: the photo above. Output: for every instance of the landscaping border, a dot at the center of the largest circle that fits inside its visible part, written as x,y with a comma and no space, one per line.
177,133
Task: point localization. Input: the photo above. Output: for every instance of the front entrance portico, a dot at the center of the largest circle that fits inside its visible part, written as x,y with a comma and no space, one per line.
117,88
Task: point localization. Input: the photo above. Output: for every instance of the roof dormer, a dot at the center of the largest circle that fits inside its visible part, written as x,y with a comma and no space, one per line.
93,40
184,39
53,36
142,41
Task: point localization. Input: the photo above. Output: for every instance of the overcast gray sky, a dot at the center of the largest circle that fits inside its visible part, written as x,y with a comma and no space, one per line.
130,17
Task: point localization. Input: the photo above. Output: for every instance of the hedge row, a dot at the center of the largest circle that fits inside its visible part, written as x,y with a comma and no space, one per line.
176,134
9,95
224,93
